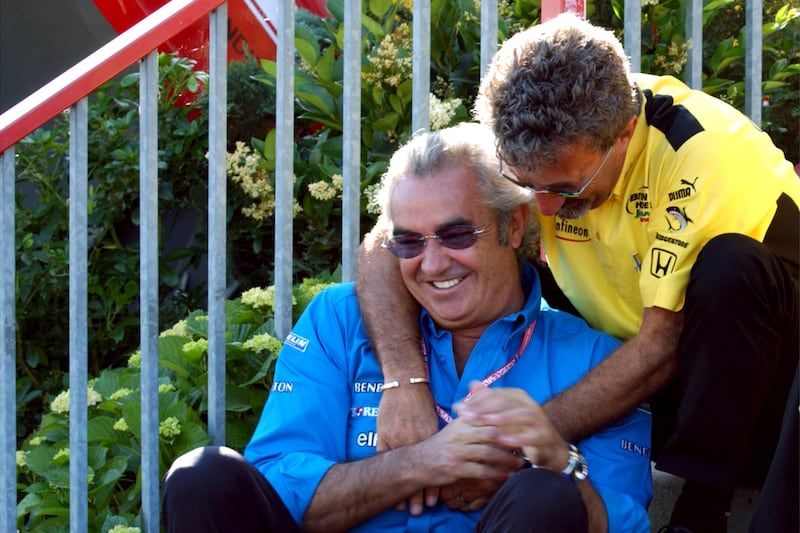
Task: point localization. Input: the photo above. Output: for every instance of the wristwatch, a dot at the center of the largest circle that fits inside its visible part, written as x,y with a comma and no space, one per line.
576,469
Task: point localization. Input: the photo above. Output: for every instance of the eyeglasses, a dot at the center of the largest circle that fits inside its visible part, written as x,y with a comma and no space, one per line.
458,237
547,190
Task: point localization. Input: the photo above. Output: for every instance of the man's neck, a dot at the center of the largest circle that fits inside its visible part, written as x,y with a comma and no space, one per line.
463,343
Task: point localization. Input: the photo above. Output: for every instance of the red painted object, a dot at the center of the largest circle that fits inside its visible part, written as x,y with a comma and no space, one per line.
192,43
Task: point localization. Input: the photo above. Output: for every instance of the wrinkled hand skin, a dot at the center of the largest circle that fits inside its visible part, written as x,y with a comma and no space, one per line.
406,415
469,495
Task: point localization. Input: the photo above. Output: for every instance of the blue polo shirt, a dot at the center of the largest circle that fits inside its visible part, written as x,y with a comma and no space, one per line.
323,406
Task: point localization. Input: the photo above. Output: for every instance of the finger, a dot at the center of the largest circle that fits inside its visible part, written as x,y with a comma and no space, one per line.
415,504
431,496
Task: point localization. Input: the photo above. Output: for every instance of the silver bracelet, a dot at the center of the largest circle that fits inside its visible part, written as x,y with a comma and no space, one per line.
412,381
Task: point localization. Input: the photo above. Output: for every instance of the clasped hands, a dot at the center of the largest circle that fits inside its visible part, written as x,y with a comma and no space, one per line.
475,453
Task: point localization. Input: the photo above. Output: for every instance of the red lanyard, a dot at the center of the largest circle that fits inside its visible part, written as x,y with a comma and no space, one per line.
492,377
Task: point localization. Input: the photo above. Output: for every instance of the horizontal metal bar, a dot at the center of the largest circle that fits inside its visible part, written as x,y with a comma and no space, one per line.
99,67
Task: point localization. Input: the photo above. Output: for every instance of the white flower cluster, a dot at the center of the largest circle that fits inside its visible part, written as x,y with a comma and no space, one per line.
247,169
60,403
262,342
124,529
180,329
169,428
391,59
442,112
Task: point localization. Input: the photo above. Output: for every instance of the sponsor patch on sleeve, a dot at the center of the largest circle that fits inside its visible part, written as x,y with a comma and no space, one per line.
296,341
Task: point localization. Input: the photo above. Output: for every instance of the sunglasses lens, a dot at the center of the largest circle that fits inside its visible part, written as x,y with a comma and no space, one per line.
457,237
406,246
410,245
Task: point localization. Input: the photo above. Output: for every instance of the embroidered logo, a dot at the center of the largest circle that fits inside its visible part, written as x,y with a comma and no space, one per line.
296,341
662,262
638,205
570,230
684,192
681,220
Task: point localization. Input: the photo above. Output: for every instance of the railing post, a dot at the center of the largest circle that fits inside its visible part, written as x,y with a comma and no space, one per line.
421,67
351,149
632,27
217,220
752,62
694,37
8,346
148,285
284,168
78,315
488,33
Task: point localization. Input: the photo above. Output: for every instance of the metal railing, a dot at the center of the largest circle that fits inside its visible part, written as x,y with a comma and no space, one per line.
70,90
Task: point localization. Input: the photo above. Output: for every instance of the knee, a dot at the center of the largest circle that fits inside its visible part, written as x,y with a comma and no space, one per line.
198,475
548,499
727,259
733,266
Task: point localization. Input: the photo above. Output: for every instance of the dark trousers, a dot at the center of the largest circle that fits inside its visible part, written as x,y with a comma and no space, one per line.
718,423
777,507
215,489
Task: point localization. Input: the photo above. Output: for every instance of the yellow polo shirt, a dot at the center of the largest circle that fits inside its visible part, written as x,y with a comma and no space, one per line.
695,168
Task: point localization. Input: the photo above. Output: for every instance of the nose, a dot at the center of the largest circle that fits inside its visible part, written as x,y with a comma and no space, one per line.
548,204
434,258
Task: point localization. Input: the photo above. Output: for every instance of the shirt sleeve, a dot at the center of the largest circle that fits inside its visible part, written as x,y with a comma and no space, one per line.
703,193
301,433
619,469
618,457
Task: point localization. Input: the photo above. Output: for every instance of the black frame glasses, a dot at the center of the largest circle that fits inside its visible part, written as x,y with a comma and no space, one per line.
546,190
410,245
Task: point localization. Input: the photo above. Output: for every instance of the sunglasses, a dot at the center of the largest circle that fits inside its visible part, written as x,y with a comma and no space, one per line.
546,190
458,237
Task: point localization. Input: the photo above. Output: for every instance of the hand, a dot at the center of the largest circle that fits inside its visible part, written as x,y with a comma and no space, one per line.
522,423
405,416
469,495
462,451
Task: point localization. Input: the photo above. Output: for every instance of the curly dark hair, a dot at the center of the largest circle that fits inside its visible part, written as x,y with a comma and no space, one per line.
559,83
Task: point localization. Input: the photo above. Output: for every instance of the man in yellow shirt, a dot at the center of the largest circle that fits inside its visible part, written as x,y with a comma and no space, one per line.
668,220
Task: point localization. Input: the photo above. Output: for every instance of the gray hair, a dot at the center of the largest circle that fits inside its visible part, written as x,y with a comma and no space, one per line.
469,146
559,83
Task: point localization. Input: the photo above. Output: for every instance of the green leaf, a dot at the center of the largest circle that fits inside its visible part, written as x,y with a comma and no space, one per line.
40,459
325,65
380,7
306,45
371,26
101,430
312,97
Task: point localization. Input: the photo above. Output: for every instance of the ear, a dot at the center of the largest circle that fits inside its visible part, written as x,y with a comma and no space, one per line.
517,224
627,131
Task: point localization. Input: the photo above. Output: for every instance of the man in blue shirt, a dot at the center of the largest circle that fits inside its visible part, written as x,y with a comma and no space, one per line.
493,351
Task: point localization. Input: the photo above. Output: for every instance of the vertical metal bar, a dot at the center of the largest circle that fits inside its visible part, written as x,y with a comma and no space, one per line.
78,313
148,284
752,62
8,339
488,33
694,36
633,33
217,218
351,151
284,168
421,67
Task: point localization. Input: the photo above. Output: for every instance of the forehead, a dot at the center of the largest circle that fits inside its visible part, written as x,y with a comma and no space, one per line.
425,202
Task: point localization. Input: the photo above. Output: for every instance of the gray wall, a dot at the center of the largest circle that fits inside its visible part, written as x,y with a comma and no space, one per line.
40,39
